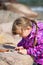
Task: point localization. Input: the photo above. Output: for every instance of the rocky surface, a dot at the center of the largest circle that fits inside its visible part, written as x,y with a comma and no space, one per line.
12,57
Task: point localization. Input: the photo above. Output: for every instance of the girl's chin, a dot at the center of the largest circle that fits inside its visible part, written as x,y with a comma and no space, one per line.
24,36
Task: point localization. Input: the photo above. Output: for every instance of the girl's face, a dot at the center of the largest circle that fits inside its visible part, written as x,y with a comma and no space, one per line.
24,32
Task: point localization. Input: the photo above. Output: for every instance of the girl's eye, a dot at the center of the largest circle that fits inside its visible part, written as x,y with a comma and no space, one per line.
27,28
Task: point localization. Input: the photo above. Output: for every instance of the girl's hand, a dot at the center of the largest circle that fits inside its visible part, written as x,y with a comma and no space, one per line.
19,48
22,51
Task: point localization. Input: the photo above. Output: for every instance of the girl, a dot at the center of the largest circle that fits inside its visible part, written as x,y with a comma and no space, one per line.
32,41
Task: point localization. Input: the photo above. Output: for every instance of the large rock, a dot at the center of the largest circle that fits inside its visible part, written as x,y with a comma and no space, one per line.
8,39
5,18
14,58
8,16
21,9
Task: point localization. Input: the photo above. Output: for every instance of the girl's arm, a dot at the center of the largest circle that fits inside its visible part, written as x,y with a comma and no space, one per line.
36,51
21,43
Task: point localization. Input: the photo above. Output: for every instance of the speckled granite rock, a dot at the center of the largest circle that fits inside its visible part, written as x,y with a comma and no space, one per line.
13,58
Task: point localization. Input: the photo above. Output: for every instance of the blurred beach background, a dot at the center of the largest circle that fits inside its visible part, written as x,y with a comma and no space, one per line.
36,5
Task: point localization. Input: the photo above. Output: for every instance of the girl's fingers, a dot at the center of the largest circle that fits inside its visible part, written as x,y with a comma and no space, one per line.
18,48
21,47
23,51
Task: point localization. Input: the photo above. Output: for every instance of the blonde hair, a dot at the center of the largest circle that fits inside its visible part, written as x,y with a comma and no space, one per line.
23,22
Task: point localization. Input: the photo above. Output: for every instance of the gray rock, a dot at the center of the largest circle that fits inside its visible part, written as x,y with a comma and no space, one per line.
14,58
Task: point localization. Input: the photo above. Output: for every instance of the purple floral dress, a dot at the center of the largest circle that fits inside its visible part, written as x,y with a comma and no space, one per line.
37,50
